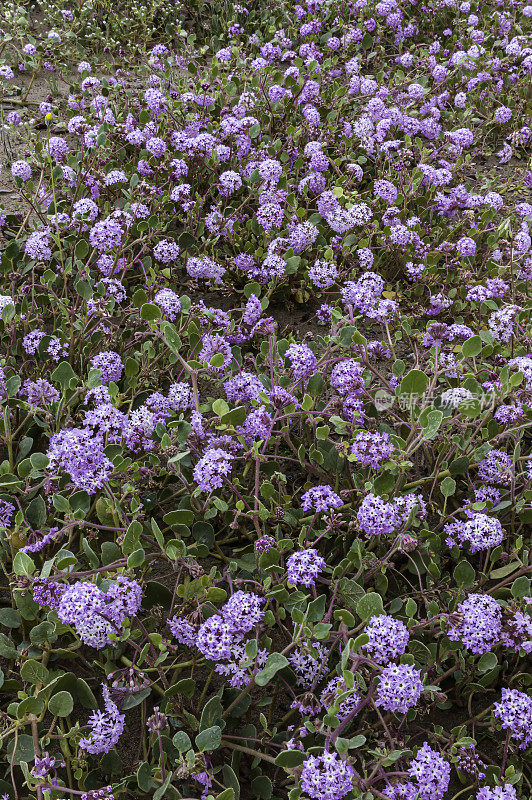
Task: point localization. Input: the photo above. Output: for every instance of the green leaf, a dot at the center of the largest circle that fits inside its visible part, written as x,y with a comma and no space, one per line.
415,382
227,794
181,516
137,558
502,572
316,609
23,564
161,791
8,481
24,751
10,618
370,605
63,374
470,408
82,249
472,347
211,714
42,633
361,639
143,775
185,686
274,663
410,607
231,780
486,662
434,420
209,739
448,487
136,699
33,671
464,574
8,312
350,591
30,705
150,312
186,240
181,740
459,466
132,538
35,513
39,461
520,587
171,337
139,298
6,647
420,651
322,431
236,416
84,289
261,786
61,704
203,533
290,758
220,407
85,695
131,367
94,378
398,368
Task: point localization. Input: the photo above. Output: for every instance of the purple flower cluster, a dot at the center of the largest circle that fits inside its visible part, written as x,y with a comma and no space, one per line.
496,467
78,452
480,532
338,694
377,516
347,376
514,713
303,362
206,269
517,632
388,638
399,687
469,761
166,251
39,393
321,499
371,449
183,631
211,469
430,774
221,633
7,510
308,663
96,614
110,365
505,792
326,777
303,567
243,388
238,668
106,727
479,628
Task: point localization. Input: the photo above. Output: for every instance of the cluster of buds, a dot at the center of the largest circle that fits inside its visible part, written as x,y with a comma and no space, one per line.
468,760
127,681
157,722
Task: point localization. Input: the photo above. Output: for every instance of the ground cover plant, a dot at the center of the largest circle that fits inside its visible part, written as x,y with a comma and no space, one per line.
265,387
